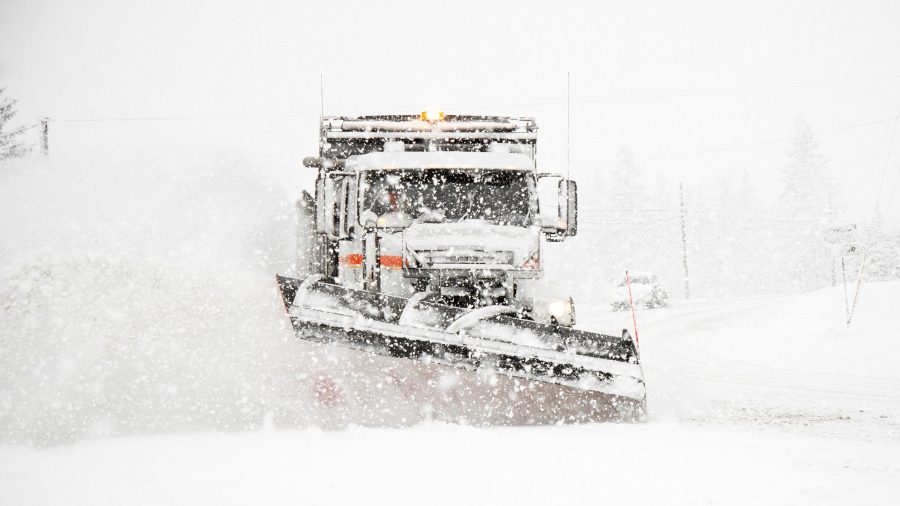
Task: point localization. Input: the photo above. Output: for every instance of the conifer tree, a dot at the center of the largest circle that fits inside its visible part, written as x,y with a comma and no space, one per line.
809,206
11,145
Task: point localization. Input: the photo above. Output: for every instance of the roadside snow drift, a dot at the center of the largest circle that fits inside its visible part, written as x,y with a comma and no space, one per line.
137,295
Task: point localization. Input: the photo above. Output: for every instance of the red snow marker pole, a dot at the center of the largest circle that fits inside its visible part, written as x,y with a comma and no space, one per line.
637,341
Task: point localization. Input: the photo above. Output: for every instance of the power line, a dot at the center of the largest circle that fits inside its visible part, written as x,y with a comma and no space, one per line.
663,94
887,163
865,257
747,89
19,130
637,222
607,208
189,118
893,191
615,212
754,144
770,219
500,103
738,226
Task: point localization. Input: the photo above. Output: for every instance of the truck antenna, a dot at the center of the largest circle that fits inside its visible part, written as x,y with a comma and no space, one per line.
568,124
321,94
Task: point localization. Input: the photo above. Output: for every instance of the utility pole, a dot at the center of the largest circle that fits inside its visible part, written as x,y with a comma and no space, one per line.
45,136
846,298
687,285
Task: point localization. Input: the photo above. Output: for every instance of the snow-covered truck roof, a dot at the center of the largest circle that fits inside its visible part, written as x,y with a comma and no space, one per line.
439,160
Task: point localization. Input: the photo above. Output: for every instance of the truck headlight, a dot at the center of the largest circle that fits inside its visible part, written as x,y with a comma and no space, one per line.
563,311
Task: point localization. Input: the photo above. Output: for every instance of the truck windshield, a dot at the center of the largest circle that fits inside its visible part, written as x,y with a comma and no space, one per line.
503,197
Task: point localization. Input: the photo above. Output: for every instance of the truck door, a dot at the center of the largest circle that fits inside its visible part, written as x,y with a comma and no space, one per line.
349,260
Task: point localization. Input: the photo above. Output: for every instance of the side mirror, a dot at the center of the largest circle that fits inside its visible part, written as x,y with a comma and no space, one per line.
321,190
336,191
558,207
568,197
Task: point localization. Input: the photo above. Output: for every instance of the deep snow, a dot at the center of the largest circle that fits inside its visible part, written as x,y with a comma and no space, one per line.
144,359
657,463
746,408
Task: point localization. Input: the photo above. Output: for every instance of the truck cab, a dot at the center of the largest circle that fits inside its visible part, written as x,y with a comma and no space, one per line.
449,207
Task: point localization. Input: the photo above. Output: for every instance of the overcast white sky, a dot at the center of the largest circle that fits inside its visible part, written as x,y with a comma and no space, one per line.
683,84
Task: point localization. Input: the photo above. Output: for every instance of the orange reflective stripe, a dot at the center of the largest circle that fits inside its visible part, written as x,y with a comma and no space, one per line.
351,260
392,262
356,260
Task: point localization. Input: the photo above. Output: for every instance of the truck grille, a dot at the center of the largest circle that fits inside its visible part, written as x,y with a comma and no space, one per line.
433,258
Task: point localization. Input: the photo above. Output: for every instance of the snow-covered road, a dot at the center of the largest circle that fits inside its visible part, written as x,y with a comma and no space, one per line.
146,359
657,463
766,400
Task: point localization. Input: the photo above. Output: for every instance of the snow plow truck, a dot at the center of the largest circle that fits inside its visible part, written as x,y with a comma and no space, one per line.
423,242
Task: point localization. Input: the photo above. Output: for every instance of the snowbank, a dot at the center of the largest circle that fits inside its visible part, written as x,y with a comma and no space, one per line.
788,362
137,295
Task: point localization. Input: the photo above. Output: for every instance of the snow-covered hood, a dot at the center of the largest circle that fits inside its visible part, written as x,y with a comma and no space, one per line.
477,235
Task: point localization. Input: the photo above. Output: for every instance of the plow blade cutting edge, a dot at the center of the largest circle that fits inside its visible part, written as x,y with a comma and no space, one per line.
484,339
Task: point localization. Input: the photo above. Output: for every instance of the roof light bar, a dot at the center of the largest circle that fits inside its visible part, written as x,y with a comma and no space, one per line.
432,116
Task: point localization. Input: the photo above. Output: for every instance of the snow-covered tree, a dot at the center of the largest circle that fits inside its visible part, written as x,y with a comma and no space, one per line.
808,207
636,223
808,192
624,194
665,193
11,145
626,185
883,254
